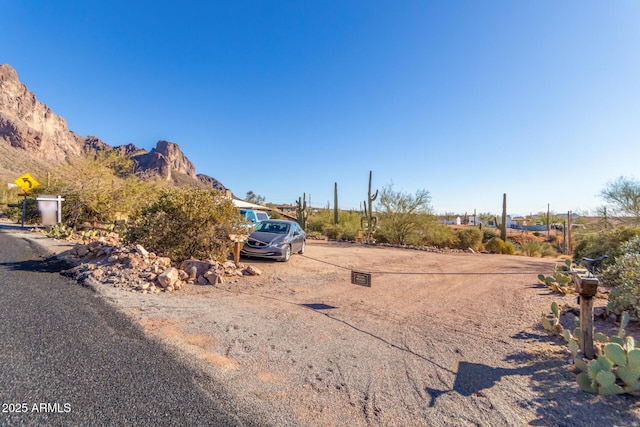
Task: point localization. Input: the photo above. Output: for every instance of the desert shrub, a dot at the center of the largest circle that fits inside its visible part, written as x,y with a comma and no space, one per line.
333,232
488,234
32,215
623,275
101,190
347,227
340,232
440,236
499,246
605,242
470,238
275,215
315,235
534,248
184,223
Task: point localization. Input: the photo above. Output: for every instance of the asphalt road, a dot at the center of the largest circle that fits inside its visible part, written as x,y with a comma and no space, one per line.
68,358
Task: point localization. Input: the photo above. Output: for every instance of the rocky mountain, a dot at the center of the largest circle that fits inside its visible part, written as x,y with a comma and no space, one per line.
29,125
32,135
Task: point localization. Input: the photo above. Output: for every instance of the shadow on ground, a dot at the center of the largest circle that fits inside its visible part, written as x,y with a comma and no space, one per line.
560,401
48,265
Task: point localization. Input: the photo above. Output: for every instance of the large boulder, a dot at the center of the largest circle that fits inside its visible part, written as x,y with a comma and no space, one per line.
168,277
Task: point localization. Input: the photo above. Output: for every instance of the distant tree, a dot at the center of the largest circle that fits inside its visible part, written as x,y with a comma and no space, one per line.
254,198
402,214
485,217
623,195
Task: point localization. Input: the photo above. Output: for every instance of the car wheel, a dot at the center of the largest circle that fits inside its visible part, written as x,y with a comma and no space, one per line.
287,254
301,251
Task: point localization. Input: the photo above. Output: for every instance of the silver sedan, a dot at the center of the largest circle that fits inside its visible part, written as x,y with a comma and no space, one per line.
276,239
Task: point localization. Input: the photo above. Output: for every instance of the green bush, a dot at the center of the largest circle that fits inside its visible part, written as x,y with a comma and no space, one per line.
534,248
605,242
488,234
184,223
499,246
346,229
440,236
623,275
101,190
339,232
470,238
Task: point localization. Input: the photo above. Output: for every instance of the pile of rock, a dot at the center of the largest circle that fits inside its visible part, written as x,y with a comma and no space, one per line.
136,269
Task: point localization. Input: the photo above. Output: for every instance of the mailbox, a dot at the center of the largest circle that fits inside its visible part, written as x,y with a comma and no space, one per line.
586,286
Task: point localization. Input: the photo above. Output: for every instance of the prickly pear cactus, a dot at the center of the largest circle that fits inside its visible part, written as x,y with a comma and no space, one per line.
560,281
616,370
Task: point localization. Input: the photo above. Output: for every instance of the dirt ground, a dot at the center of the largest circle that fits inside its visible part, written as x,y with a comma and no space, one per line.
437,340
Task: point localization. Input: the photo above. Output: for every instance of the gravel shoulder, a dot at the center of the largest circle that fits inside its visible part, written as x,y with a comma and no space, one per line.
455,342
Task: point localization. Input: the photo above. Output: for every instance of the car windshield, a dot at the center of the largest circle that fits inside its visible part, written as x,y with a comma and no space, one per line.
272,227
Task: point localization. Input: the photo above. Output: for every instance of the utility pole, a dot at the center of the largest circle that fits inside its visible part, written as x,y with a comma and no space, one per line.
548,224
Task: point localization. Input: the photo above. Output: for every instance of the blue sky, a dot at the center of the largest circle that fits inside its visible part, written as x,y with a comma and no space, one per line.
466,99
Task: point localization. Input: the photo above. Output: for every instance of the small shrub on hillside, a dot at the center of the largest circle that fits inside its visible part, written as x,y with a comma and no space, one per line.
623,274
186,223
499,246
470,238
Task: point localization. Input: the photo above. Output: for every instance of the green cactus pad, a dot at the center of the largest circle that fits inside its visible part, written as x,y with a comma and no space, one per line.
573,346
616,354
610,390
631,343
600,337
599,365
546,323
578,334
586,384
628,375
567,336
606,378
633,359
555,309
617,340
624,321
580,364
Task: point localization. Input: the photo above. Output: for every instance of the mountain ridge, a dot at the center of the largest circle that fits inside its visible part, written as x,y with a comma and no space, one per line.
32,135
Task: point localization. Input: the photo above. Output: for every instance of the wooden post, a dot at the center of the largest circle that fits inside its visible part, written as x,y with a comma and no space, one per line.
586,325
236,252
587,287
238,241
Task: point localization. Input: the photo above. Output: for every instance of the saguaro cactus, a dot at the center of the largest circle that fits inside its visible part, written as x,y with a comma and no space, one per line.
503,225
369,221
335,203
301,211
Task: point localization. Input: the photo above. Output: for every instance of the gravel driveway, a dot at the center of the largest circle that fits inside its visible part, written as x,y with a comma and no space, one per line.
439,339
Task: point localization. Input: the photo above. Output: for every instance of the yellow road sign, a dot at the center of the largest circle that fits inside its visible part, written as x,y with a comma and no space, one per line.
26,182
